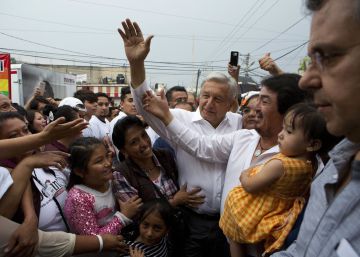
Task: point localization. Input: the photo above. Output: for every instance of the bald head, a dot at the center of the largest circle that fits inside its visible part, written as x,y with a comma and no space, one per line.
5,104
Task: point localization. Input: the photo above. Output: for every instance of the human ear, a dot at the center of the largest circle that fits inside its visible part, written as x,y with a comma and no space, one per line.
314,145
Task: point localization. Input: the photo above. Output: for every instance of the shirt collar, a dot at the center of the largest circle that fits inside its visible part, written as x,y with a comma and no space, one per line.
197,117
342,154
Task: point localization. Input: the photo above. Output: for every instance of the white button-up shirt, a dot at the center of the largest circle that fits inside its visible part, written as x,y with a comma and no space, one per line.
209,176
235,149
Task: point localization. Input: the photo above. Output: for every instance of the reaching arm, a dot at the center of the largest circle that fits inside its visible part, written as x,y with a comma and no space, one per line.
269,174
21,174
136,50
54,131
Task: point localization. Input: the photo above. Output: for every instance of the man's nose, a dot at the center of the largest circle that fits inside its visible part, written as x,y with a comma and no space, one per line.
310,79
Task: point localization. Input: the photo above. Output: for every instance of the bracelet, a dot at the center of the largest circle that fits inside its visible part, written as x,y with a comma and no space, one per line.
101,243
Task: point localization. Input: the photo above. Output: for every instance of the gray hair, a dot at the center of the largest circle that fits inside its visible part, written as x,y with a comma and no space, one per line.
315,5
222,78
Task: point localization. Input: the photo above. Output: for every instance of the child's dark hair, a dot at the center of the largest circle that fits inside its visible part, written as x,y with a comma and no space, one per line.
160,206
30,116
306,117
80,153
120,129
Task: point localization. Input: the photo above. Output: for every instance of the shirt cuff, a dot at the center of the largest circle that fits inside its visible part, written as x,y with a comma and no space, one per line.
140,90
124,220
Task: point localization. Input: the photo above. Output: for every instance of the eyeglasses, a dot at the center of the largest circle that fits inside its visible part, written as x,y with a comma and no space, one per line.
323,60
181,100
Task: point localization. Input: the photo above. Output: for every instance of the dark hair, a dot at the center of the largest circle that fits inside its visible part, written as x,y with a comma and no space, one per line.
34,104
160,206
4,116
49,108
120,129
80,153
85,95
21,110
306,117
124,91
30,116
174,89
67,112
100,94
287,89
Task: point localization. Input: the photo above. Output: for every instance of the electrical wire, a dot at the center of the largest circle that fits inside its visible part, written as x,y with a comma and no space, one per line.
281,33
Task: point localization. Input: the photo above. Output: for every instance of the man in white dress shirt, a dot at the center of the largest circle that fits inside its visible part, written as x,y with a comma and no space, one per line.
212,118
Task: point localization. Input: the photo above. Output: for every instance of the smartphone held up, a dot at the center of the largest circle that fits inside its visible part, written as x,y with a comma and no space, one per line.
234,58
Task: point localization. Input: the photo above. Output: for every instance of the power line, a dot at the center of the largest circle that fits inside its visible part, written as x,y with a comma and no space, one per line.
195,64
153,12
257,20
234,29
287,53
281,33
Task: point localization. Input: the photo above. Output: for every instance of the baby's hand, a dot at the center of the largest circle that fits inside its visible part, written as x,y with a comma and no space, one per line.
131,206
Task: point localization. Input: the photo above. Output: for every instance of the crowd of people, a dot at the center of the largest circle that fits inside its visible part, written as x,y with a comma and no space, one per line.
273,172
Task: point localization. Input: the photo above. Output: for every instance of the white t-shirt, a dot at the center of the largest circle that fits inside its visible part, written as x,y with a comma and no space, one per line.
97,128
50,186
5,181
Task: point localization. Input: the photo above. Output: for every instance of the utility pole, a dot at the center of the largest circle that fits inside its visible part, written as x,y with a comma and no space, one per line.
197,81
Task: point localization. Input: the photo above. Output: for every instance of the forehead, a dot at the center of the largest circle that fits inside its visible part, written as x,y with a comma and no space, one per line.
134,131
10,125
267,93
334,25
4,99
128,96
99,150
103,99
214,87
178,94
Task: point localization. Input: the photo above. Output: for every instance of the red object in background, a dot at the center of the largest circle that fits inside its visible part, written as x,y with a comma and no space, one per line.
5,74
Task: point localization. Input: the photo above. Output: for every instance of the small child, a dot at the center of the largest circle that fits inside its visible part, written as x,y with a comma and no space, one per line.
271,196
155,220
90,206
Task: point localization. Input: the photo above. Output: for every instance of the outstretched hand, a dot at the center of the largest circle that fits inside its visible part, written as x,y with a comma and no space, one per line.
158,106
58,129
268,64
136,48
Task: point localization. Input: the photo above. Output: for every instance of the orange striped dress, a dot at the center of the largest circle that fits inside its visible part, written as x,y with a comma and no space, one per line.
269,215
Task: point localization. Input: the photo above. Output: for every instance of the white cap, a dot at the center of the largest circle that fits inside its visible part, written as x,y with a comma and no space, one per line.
74,103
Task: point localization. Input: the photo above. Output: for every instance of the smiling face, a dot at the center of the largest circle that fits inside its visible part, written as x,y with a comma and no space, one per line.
214,102
336,85
137,144
14,128
99,171
268,119
152,229
249,113
39,122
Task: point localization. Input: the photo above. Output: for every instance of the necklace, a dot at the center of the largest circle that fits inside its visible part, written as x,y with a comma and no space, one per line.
260,151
